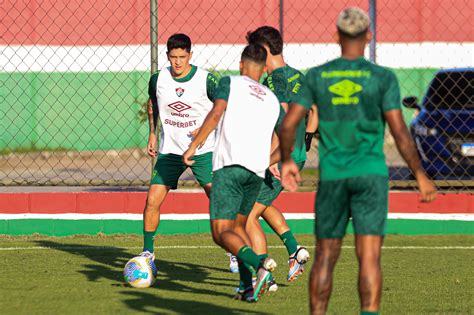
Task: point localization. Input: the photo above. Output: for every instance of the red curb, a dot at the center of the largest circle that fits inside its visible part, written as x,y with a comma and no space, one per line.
52,203
14,203
197,203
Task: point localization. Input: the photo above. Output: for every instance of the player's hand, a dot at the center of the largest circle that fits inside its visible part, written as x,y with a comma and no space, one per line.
427,188
193,135
275,171
151,147
188,155
290,175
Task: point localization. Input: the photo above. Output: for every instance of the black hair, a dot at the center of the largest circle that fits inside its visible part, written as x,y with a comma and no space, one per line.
357,36
267,35
179,41
255,53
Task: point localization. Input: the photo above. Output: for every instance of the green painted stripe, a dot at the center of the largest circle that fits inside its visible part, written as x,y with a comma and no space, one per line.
71,227
98,111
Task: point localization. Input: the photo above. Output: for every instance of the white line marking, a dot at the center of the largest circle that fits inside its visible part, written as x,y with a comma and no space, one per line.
84,248
205,216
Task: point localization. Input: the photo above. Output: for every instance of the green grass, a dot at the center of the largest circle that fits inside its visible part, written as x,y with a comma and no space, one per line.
77,276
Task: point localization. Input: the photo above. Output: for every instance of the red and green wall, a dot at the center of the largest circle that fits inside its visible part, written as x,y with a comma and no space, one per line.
61,214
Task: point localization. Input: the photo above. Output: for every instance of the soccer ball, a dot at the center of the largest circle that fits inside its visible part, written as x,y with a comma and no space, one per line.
140,272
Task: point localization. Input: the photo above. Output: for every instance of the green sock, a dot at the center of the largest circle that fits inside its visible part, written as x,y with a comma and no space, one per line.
248,256
369,313
290,242
245,275
148,239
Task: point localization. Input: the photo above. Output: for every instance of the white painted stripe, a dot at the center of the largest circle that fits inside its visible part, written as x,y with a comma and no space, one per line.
84,248
38,58
204,216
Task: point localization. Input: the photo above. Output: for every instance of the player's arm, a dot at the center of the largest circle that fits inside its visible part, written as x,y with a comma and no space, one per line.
301,101
311,126
408,151
152,111
290,173
406,146
211,86
210,123
275,155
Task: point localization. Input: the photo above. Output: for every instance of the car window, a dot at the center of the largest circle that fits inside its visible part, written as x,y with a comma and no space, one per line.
451,90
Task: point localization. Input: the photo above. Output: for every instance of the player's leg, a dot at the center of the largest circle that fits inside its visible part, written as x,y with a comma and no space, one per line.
332,216
369,251
151,215
168,169
269,191
320,288
255,230
202,171
234,192
258,238
298,255
369,205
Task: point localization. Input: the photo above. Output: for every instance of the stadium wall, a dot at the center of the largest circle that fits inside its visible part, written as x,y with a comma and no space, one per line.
63,214
79,86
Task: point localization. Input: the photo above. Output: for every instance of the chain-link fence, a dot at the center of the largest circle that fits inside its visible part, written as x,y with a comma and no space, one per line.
74,78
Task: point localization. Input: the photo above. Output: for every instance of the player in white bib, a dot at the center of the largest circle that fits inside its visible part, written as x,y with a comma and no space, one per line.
245,114
180,96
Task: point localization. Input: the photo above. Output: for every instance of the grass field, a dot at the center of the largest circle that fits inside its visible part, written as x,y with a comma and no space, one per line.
72,275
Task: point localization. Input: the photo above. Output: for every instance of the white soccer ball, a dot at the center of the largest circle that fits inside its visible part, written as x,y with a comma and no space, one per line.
140,272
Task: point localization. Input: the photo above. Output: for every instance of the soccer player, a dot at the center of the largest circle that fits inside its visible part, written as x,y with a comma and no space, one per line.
246,114
355,98
284,81
181,96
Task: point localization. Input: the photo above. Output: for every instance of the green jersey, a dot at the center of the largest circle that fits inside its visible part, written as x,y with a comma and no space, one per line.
352,96
285,82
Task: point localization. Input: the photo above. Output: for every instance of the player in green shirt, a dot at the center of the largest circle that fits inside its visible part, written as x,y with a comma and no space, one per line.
355,98
285,82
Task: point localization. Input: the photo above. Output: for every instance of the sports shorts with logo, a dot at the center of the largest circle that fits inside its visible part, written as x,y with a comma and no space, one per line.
234,190
363,198
271,187
169,167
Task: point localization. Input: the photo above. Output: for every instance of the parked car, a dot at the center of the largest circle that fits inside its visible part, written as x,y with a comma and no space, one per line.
444,128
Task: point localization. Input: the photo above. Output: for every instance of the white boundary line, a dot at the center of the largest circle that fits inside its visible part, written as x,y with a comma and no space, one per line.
204,216
125,58
83,248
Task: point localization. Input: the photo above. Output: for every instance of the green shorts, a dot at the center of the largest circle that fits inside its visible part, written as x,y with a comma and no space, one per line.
234,190
169,167
363,198
271,187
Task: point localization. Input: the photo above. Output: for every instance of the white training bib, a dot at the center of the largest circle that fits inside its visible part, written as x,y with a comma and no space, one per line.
182,108
245,131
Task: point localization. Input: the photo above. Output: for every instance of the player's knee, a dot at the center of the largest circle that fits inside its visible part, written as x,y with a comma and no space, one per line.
152,204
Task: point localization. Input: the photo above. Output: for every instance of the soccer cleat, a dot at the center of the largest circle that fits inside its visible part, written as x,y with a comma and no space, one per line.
296,263
263,276
151,261
148,255
233,263
245,295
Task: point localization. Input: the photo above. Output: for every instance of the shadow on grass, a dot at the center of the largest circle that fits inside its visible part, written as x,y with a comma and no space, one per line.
153,304
172,276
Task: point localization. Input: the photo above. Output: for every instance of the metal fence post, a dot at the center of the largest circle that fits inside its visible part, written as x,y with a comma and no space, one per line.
281,17
153,45
373,29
